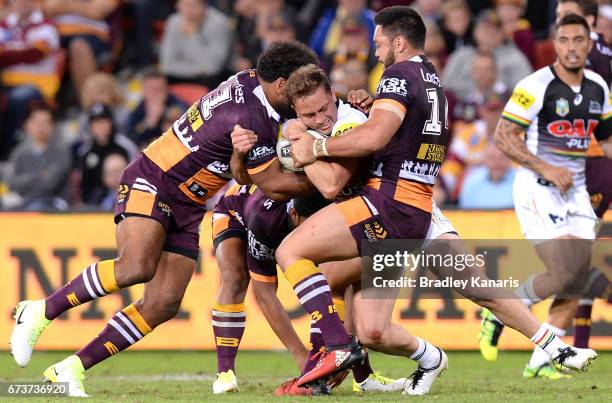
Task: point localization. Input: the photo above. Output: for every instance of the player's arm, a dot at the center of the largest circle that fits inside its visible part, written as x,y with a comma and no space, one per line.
329,177
265,172
361,141
509,138
242,142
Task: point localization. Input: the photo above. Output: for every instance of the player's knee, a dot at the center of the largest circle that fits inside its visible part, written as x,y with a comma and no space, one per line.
79,47
284,256
370,335
235,282
135,269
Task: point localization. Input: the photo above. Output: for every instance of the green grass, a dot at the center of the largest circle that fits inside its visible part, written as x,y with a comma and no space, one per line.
187,376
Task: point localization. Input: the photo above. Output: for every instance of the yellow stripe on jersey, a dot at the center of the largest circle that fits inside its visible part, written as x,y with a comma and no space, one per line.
570,153
391,106
167,151
261,278
140,202
262,167
606,116
516,119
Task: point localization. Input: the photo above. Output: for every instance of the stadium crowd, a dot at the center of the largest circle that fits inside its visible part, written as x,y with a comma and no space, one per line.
85,84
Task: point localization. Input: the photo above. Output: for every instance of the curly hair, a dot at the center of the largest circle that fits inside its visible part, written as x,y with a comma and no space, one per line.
283,58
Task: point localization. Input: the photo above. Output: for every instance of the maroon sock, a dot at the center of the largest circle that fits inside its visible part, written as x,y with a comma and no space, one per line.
123,330
582,326
228,322
361,372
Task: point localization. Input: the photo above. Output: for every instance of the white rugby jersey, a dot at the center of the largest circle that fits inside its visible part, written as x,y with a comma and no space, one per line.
559,120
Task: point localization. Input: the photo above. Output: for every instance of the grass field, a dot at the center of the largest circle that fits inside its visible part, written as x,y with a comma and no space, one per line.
187,376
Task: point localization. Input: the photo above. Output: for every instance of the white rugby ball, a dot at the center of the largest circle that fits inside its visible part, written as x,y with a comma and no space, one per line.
283,150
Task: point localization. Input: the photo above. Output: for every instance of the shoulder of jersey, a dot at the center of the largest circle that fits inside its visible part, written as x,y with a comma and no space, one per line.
593,76
348,118
538,79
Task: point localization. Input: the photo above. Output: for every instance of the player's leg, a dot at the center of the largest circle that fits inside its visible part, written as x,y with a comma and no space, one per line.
298,256
139,240
277,317
228,314
160,302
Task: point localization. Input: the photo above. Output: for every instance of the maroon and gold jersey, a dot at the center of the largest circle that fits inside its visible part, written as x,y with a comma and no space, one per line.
195,152
407,167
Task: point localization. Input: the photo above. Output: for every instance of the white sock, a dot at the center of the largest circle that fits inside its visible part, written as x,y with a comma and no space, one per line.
526,292
548,341
426,354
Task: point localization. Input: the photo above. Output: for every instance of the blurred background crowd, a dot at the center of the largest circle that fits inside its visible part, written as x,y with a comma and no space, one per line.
85,84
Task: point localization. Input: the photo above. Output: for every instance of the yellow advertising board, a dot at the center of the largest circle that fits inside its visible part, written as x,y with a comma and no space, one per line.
40,252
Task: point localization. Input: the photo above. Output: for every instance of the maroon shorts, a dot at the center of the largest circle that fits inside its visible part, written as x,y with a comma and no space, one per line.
373,216
599,183
145,191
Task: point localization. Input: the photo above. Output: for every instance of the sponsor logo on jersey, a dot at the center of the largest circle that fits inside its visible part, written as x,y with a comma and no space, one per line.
258,250
260,152
167,210
578,99
595,107
197,190
343,128
422,172
431,78
374,231
238,94
392,85
122,192
194,117
576,129
432,152
522,98
562,107
220,168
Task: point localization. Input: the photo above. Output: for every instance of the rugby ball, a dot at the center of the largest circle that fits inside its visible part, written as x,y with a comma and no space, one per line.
283,150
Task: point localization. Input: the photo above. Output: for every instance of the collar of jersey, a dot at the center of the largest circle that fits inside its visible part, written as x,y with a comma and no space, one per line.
259,93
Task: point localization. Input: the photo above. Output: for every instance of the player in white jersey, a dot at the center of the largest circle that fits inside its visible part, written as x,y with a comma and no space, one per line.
557,109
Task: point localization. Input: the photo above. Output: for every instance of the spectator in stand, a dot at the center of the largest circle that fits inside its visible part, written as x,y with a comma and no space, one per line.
112,168
38,168
85,34
456,25
101,88
353,44
28,45
145,122
326,35
91,154
276,27
467,148
348,76
435,48
429,9
489,186
487,88
604,22
516,28
145,13
512,65
197,44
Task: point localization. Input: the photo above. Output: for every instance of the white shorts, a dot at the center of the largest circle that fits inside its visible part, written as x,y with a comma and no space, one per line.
439,225
545,213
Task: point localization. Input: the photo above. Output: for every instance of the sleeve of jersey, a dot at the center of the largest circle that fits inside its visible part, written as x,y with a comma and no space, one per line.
604,129
522,106
263,154
392,93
